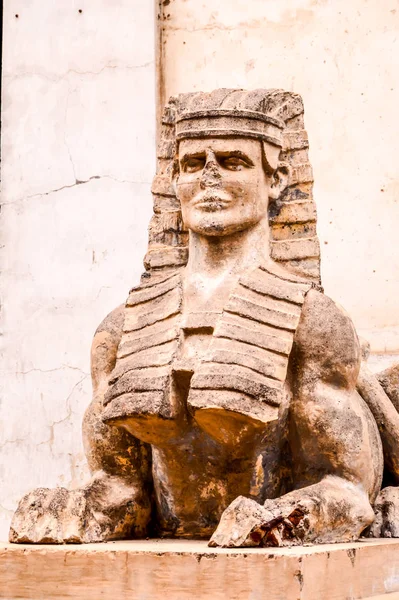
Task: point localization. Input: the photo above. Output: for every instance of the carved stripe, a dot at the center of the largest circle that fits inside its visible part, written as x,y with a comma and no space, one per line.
247,308
212,376
301,174
168,323
166,256
135,403
153,378
233,352
162,186
164,306
152,357
129,346
149,279
280,231
238,328
269,284
164,204
148,293
274,268
306,267
273,304
295,212
295,139
295,249
237,371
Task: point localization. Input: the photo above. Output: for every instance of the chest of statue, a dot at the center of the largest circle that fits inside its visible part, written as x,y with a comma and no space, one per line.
227,370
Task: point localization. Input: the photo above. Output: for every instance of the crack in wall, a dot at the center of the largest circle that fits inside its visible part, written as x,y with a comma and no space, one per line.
41,447
68,416
15,441
34,369
77,182
59,78
103,287
6,510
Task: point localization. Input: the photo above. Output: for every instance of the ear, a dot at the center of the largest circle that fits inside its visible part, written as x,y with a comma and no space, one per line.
270,156
279,181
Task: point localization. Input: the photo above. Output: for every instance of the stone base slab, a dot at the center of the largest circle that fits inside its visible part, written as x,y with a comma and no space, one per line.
185,570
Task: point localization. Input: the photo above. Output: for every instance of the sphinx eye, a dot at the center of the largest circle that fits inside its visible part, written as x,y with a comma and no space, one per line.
193,164
234,163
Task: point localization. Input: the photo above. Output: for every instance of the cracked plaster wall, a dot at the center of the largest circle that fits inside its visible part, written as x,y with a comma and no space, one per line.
78,156
343,58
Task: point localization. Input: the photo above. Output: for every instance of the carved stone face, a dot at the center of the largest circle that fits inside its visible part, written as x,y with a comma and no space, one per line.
221,185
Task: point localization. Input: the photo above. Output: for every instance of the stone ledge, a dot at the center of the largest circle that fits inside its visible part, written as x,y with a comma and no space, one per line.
184,570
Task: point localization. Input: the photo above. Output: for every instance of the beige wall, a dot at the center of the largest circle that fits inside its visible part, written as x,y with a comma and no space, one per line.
343,58
78,155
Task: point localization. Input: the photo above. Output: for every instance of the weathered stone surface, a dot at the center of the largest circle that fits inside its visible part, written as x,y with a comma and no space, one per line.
295,140
241,524
164,204
389,379
386,509
386,417
159,257
164,307
225,390
163,333
102,510
234,352
294,249
152,289
317,514
162,186
295,212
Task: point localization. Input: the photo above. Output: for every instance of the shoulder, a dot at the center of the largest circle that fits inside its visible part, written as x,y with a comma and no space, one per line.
113,322
105,344
326,335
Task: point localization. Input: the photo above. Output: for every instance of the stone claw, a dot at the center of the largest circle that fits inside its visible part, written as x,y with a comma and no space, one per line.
239,524
246,523
53,516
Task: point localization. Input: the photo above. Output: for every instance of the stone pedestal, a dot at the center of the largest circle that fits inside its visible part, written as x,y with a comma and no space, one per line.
185,570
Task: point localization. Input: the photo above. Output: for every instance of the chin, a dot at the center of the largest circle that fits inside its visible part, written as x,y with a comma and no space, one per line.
215,225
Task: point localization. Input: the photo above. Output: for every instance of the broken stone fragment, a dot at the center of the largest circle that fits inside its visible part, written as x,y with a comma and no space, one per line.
386,508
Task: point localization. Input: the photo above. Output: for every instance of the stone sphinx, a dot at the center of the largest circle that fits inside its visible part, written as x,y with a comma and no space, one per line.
225,390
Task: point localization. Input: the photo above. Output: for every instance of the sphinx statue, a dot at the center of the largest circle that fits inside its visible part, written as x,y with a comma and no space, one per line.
229,400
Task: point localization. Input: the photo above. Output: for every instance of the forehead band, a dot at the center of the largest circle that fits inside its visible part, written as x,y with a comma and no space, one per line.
229,123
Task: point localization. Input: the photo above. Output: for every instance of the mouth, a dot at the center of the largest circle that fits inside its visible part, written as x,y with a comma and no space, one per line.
212,203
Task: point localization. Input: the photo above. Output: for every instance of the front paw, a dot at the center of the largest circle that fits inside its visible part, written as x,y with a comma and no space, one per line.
240,524
42,517
246,523
54,516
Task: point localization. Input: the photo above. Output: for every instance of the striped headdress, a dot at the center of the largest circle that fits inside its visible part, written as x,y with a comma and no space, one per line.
274,116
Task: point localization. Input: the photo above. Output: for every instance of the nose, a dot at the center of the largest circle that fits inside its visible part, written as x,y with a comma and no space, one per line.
211,176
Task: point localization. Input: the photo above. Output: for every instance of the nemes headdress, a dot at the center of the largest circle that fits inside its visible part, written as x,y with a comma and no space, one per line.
272,116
